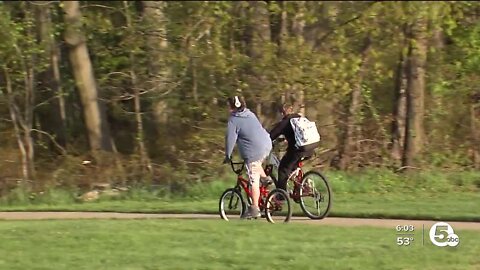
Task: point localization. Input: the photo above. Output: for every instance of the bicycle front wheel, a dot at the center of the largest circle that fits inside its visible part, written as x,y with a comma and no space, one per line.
315,195
277,206
231,204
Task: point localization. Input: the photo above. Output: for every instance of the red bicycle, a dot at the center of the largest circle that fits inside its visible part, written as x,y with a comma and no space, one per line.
274,203
310,189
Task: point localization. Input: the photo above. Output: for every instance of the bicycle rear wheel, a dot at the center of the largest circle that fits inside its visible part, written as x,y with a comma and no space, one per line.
231,204
277,206
315,195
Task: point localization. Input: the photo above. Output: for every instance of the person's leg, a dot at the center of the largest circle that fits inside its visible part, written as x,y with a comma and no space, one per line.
264,178
254,170
262,172
287,165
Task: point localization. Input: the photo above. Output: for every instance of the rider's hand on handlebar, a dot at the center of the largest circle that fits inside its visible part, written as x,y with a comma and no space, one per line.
226,160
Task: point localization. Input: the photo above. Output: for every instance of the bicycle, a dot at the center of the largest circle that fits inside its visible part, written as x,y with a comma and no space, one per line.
274,203
311,185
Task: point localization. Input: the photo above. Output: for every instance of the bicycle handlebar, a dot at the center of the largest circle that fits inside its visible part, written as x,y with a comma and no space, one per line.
239,171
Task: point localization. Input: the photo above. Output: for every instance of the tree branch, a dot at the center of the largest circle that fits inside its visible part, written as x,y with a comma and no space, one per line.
100,6
18,116
406,167
45,102
64,152
206,129
192,162
324,37
42,3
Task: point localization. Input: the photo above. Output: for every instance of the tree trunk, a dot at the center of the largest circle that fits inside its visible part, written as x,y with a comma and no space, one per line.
144,159
399,105
194,80
283,25
475,129
27,127
28,63
282,43
24,139
61,99
94,111
261,36
298,22
416,62
350,134
155,22
156,35
298,25
51,112
21,111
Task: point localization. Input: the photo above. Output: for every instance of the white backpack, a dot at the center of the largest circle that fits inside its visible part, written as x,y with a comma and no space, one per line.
305,131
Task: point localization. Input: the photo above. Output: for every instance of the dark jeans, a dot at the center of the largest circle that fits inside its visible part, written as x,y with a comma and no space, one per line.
288,164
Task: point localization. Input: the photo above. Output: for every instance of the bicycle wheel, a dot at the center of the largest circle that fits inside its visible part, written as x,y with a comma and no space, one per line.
315,195
277,206
231,205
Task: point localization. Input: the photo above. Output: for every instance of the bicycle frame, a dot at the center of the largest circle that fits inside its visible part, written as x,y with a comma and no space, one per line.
244,184
296,176
274,201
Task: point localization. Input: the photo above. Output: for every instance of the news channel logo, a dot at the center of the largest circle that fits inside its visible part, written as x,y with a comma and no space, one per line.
442,235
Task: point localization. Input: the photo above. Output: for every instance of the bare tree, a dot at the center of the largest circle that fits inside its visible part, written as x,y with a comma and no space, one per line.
399,103
298,26
259,20
416,62
475,128
93,110
144,159
51,109
159,74
347,146
22,122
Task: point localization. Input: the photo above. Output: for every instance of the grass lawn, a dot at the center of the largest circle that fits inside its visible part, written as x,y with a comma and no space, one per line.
214,244
438,195
441,206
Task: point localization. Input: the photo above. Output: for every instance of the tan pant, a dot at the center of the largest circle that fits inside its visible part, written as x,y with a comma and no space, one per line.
254,171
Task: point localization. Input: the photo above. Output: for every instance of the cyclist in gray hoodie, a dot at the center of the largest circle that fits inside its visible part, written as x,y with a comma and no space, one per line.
254,145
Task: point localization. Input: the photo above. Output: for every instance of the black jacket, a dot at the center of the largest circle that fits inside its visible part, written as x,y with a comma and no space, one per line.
285,128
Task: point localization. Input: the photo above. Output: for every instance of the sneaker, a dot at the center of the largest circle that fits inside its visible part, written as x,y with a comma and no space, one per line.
252,212
255,212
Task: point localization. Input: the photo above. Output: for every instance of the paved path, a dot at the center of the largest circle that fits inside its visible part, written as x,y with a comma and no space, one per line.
347,222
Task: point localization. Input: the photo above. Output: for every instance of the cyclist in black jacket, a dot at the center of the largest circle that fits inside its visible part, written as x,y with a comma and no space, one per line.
293,155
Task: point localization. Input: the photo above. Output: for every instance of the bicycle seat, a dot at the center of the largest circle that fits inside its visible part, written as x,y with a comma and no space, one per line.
300,162
305,158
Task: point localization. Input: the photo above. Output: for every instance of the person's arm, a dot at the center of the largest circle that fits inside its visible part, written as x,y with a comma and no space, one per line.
230,139
279,128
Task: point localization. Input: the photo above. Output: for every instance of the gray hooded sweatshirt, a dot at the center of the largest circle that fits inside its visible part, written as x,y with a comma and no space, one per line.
253,140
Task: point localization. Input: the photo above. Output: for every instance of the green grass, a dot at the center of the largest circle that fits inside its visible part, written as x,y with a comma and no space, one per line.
214,244
455,206
372,193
